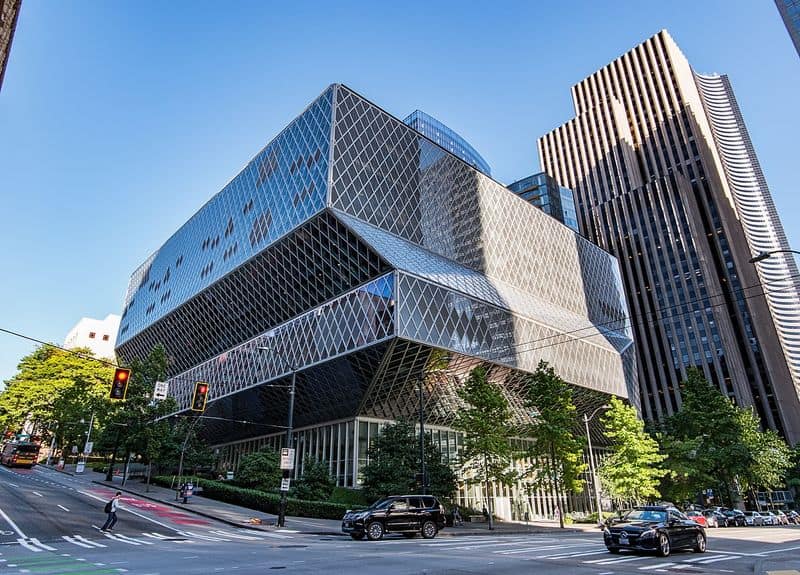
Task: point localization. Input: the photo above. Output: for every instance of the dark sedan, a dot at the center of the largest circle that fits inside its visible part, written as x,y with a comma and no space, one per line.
654,528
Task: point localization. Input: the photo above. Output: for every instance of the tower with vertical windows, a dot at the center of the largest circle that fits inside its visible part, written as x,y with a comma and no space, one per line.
665,177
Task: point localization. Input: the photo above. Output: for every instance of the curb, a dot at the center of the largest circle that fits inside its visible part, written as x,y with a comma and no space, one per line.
54,468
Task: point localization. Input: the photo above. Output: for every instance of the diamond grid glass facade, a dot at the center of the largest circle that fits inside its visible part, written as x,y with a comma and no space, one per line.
401,265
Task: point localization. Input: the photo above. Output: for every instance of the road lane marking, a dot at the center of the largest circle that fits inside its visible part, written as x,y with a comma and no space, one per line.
139,541
12,524
574,554
657,566
118,538
35,541
28,546
37,493
716,559
69,539
64,508
203,537
615,560
89,541
235,535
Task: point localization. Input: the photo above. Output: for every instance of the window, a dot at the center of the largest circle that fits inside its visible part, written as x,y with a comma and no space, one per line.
91,335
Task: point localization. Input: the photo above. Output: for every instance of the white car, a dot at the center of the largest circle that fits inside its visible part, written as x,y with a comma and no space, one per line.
770,518
752,518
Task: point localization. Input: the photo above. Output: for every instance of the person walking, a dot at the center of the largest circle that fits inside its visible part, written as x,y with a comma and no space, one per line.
111,508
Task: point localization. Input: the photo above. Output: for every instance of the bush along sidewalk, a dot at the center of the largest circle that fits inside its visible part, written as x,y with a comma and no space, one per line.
260,500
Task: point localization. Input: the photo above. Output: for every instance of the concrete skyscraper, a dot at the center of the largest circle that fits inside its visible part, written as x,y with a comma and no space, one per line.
665,177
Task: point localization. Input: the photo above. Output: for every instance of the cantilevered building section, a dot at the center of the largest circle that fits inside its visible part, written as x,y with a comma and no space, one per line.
369,259
666,178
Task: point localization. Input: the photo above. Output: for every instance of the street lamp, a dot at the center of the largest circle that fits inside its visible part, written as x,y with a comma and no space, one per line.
293,368
586,420
765,255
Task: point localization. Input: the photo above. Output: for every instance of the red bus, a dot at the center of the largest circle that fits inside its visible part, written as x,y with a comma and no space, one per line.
20,454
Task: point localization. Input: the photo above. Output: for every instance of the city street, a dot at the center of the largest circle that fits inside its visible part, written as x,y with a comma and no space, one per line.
49,524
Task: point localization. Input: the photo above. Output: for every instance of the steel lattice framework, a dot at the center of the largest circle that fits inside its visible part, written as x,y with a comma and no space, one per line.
369,259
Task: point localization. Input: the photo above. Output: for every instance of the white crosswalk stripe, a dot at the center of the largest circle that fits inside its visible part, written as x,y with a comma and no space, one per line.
131,539
74,541
656,566
201,537
119,538
235,535
89,542
28,545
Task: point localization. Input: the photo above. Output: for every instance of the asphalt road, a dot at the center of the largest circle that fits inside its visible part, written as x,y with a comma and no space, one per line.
48,526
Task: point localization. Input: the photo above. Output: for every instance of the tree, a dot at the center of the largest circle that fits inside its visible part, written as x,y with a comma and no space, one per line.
712,443
394,461
316,483
633,470
486,454
260,470
53,390
553,431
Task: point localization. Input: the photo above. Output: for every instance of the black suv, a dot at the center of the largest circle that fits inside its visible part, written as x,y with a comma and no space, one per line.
406,514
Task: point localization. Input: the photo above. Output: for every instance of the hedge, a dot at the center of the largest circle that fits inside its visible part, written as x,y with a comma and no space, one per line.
260,500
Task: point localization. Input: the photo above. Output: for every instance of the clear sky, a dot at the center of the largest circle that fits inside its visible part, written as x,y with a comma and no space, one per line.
119,120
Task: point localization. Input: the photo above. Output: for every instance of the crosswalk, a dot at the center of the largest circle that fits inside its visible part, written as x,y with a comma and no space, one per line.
585,551
143,539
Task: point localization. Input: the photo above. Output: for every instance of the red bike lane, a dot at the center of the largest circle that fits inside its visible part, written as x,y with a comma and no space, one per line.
158,509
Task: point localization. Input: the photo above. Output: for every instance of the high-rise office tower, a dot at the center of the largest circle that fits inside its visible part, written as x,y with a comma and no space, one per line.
790,12
544,192
665,177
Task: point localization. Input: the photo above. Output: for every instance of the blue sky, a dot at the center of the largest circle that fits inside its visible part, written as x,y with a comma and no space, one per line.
119,120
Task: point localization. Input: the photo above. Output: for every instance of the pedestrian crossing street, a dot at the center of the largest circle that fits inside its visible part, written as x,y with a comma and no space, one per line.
106,539
587,552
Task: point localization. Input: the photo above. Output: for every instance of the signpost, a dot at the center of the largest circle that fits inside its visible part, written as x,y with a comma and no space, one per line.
161,390
88,449
287,458
285,484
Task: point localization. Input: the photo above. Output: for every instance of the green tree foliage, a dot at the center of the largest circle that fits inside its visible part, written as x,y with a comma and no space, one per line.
486,455
55,389
260,470
556,449
394,462
633,471
316,484
711,443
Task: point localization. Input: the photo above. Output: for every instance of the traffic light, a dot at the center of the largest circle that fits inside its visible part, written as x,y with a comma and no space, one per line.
119,387
200,396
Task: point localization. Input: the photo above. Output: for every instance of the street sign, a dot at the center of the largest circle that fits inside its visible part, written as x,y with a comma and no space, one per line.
161,390
285,484
80,467
88,449
74,450
287,458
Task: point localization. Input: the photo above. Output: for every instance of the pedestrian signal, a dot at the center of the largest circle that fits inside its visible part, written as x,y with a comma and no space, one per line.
119,387
200,396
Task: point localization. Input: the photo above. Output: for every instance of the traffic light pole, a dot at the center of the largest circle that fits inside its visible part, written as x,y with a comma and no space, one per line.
282,510
183,449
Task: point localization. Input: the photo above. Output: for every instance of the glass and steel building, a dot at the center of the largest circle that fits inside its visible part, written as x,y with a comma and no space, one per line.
790,12
544,192
434,130
368,260
666,178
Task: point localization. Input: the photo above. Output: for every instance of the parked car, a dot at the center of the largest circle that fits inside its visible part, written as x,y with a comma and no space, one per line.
753,518
770,518
406,514
654,528
711,517
697,517
794,517
783,519
734,518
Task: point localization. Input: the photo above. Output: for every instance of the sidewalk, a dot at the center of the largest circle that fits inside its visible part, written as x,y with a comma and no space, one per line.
237,516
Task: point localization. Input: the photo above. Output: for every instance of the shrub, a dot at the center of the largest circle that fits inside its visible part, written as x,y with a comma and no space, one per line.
316,483
259,470
352,498
261,501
